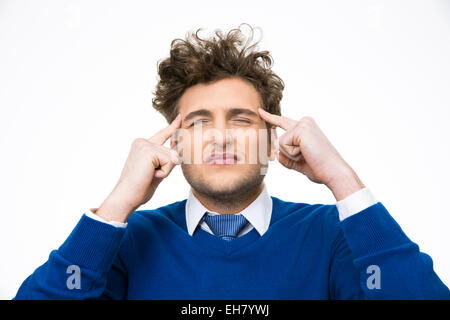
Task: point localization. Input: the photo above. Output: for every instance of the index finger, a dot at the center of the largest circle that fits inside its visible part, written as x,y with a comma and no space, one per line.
279,121
164,134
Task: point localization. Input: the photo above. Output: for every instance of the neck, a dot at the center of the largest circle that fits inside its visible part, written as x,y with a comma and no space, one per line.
232,206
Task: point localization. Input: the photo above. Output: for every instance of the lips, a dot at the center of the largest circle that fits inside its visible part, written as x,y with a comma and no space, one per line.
221,159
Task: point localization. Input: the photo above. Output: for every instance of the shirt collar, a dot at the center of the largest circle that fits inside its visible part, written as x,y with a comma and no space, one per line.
258,213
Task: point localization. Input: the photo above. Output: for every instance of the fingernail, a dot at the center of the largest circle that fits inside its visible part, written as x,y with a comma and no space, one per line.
176,118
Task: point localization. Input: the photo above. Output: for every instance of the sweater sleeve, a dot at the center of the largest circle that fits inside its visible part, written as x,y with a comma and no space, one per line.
373,249
86,266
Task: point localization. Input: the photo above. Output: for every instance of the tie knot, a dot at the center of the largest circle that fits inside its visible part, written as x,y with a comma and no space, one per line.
225,226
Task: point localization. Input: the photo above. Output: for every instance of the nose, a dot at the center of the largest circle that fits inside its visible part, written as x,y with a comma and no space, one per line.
220,135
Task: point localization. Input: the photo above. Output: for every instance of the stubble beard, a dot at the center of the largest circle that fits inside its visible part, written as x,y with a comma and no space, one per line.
236,192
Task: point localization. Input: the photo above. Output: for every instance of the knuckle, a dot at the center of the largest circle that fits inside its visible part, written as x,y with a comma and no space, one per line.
160,152
139,142
305,123
307,119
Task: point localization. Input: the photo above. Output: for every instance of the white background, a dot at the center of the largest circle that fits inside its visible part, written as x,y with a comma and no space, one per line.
76,82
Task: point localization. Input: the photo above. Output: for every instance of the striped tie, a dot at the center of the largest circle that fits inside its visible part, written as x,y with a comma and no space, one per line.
225,226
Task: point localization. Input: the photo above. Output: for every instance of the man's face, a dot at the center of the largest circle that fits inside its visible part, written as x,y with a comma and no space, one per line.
224,138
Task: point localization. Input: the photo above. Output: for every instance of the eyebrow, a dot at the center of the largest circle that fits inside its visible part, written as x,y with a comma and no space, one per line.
236,111
200,112
232,112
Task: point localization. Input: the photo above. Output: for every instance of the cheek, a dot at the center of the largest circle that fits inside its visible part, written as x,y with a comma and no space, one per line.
247,143
189,147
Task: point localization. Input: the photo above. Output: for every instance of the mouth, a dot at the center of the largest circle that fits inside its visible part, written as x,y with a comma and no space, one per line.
222,159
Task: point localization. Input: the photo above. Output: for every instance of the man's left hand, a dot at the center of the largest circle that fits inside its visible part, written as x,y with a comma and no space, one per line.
304,148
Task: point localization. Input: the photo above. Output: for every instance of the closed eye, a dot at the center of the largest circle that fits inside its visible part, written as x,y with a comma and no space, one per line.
197,121
241,120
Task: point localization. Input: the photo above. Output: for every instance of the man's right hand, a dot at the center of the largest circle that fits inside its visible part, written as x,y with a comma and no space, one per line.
148,163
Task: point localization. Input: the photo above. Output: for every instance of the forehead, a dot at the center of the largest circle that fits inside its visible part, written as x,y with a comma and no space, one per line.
220,95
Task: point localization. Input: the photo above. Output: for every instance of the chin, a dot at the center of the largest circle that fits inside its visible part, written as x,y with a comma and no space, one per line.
223,184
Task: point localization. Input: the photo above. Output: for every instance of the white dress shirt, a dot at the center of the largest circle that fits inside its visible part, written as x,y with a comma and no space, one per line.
258,213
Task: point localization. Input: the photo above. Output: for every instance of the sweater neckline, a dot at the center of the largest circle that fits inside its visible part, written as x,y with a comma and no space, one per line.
205,239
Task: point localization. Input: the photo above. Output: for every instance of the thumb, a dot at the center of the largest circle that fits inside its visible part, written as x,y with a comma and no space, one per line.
164,170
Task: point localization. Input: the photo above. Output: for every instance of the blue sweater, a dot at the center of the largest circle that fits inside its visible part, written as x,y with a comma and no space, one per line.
306,253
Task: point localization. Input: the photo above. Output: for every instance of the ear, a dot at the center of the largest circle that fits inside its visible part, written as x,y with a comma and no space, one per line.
274,144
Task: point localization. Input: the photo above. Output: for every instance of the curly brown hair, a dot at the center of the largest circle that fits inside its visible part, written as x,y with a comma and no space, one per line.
196,60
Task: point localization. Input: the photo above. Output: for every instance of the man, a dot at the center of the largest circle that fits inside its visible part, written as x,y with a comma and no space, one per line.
229,239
